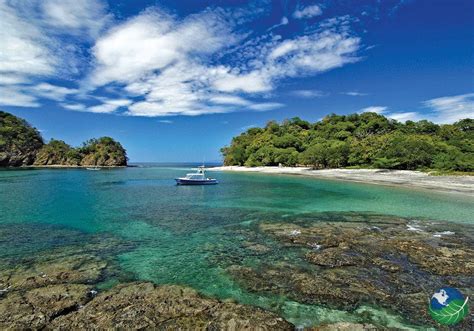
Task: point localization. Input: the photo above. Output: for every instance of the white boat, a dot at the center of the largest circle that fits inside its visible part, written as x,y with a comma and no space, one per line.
197,178
93,168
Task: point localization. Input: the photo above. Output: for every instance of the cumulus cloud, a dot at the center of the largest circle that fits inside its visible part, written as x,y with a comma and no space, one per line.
307,12
159,58
207,62
374,109
154,40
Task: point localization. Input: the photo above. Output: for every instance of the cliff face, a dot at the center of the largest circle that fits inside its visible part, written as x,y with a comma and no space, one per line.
102,152
57,152
19,142
22,145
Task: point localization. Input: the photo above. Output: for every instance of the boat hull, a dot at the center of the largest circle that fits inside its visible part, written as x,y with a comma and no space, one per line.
183,181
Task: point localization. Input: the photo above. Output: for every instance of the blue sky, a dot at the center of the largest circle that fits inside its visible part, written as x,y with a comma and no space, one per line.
176,80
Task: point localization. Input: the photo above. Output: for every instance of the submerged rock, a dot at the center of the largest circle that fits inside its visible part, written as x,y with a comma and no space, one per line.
54,270
344,326
376,262
34,309
144,305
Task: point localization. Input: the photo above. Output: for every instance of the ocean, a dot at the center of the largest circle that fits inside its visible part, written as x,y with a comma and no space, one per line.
150,229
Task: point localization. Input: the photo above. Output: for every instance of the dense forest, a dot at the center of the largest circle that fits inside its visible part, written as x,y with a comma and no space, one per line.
366,140
22,145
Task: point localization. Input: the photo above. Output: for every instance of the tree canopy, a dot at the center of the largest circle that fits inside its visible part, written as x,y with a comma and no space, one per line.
19,141
357,140
21,144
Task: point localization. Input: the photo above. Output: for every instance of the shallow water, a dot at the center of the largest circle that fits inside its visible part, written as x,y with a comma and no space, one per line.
190,235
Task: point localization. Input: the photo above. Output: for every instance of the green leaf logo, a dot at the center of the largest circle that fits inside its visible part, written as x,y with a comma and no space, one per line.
448,306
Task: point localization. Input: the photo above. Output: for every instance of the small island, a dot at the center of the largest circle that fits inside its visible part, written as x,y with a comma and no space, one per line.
22,145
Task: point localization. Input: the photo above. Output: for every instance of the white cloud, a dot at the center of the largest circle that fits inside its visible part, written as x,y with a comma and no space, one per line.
374,109
174,64
229,100
307,12
154,109
27,95
207,62
76,16
166,122
442,110
33,46
54,92
251,83
309,93
152,41
11,96
30,34
284,21
24,48
452,108
355,94
74,106
405,116
109,105
264,106
12,79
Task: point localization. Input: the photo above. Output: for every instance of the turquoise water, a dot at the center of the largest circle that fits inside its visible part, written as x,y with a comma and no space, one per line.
191,235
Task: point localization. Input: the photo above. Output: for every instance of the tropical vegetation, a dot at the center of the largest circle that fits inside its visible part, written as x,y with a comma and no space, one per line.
21,144
366,140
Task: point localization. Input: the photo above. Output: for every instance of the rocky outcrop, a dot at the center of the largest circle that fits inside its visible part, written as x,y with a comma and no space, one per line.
35,308
57,152
102,152
22,145
60,290
128,306
144,305
392,263
19,141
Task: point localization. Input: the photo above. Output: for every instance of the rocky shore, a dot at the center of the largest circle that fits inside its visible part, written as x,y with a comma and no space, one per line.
62,290
391,263
406,178
348,262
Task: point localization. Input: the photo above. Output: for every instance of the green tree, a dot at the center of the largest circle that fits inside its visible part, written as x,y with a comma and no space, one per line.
19,141
366,140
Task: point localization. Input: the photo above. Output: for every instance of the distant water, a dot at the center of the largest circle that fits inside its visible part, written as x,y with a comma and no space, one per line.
190,235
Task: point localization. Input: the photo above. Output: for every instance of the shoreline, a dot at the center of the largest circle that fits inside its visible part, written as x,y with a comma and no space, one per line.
403,178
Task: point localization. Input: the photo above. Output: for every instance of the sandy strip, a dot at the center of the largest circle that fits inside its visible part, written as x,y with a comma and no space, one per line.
407,178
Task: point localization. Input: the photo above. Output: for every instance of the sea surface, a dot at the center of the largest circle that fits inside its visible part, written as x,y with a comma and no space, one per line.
190,235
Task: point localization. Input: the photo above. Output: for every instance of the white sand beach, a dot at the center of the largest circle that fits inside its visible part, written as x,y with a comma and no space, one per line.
407,178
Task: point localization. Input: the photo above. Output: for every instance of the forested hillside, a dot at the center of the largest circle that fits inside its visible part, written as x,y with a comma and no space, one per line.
19,142
358,140
21,145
